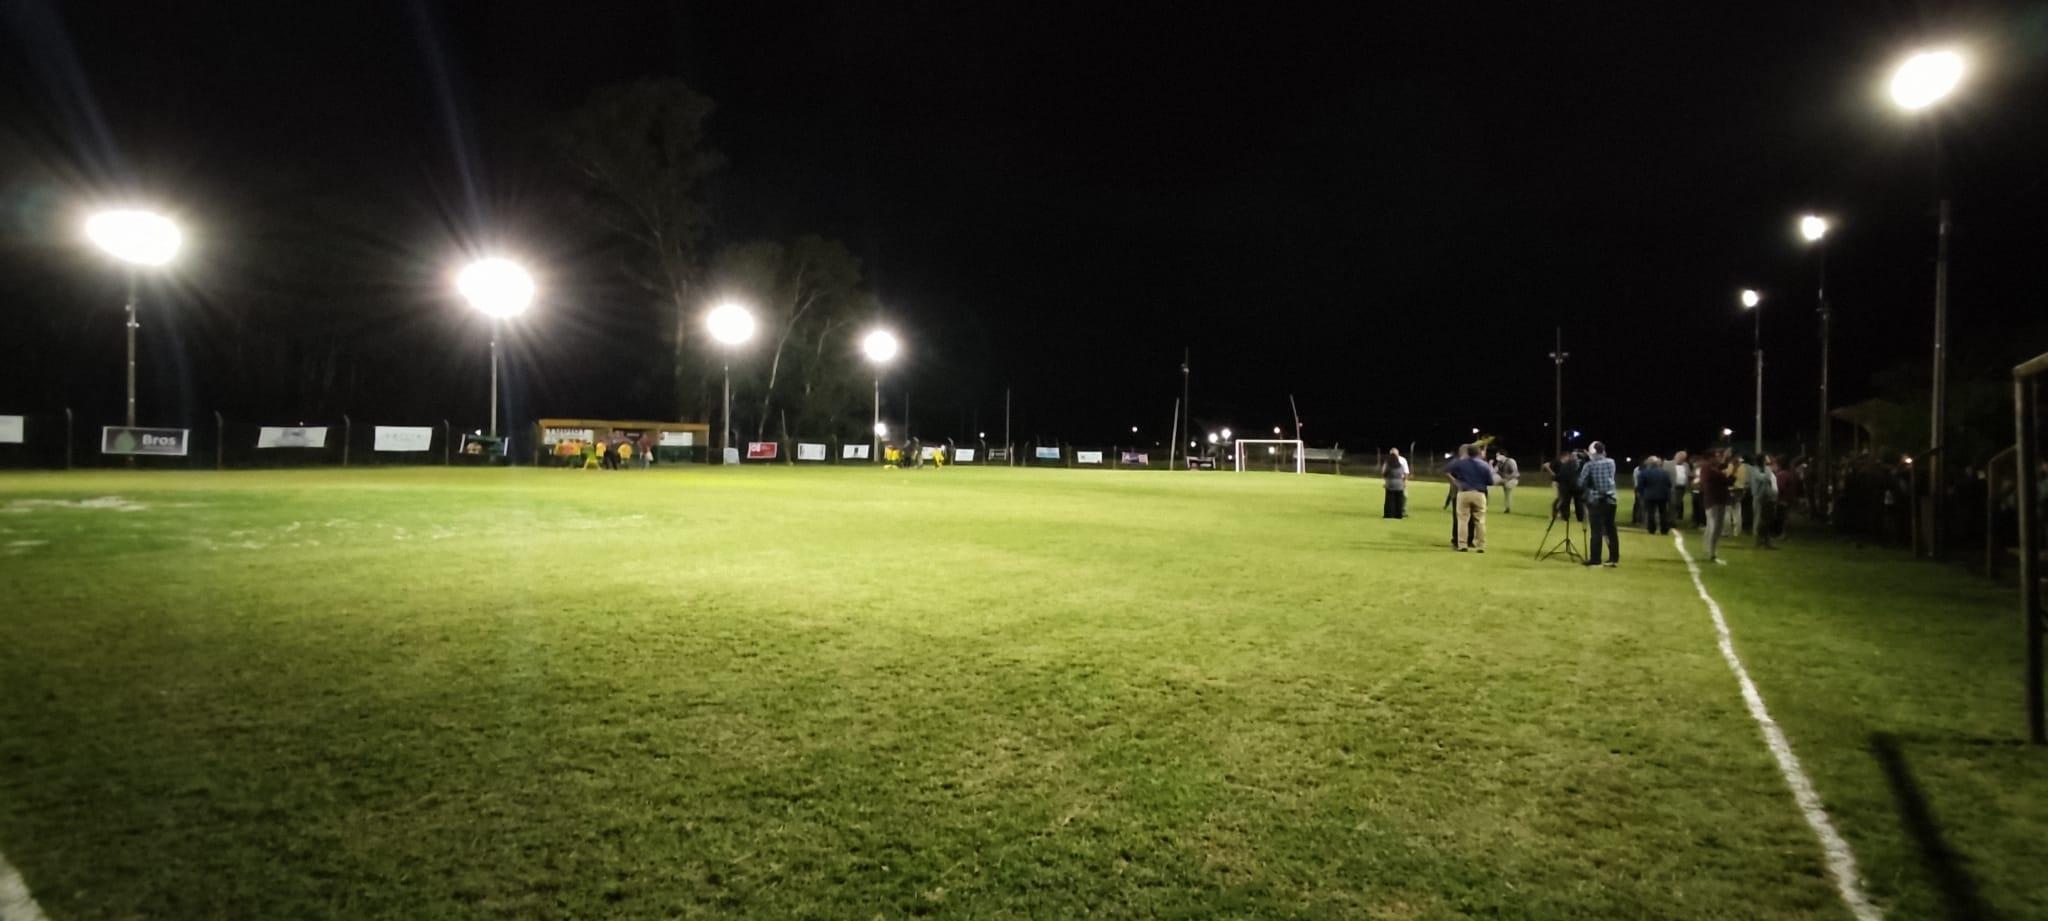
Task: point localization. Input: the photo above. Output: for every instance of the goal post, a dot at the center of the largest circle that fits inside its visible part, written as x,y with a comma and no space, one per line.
1285,455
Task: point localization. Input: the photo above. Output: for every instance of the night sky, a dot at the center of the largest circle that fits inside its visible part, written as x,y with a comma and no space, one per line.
1383,213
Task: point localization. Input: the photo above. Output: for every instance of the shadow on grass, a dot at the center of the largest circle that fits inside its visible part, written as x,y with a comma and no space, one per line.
1959,896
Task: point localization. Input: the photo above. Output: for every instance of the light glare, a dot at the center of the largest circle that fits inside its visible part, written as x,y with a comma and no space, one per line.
497,287
1926,78
1813,227
135,236
1750,298
730,323
880,346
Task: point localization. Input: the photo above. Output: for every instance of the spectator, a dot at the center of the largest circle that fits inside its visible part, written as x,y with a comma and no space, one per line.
1653,495
1763,491
1738,494
1681,480
1470,476
1712,475
1564,476
1395,470
1509,474
1596,484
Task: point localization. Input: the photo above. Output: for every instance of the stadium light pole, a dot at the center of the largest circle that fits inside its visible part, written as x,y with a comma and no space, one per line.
498,288
1752,301
1814,229
140,239
881,347
1920,83
732,324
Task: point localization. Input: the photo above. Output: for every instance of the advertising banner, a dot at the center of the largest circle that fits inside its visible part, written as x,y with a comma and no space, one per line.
999,454
732,455
805,451
1046,453
679,439
117,439
1135,459
762,450
1087,457
925,452
555,436
963,455
284,436
404,437
11,429
853,452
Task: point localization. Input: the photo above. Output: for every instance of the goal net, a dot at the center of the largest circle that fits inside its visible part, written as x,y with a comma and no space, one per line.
1281,455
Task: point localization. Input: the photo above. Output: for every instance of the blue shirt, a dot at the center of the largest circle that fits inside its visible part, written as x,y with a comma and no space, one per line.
1597,478
1472,474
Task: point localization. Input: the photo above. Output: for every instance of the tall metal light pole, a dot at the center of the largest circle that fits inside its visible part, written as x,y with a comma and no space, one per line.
1814,229
1919,83
881,347
1752,301
732,324
500,289
1187,413
140,239
1557,357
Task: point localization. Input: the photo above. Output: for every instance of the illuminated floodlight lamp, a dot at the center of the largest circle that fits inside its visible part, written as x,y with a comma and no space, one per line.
1726,431
135,236
1226,434
1925,78
730,323
1812,227
881,430
880,346
1750,297
1212,437
496,287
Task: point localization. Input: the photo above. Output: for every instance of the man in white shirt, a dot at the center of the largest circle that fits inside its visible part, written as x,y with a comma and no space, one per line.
1681,480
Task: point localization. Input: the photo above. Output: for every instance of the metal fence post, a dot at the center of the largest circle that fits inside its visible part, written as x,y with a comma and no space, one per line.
69,441
347,435
220,437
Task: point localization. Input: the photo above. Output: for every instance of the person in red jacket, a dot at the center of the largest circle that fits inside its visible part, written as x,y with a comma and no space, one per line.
1716,484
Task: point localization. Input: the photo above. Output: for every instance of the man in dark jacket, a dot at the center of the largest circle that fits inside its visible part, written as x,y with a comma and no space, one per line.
1653,495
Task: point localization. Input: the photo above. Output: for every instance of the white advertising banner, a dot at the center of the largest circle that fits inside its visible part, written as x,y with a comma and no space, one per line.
1045,453
927,452
853,452
679,439
11,430
554,436
1087,457
806,451
404,437
284,436
963,455
120,439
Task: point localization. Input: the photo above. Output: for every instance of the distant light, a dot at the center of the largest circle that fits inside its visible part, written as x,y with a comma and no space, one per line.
496,287
1272,450
1628,460
1475,430
880,346
981,435
1226,434
1193,445
1447,455
1276,430
1726,431
1576,433
1908,459
881,429
1212,437
135,236
1134,430
731,323
1750,298
1926,78
1813,227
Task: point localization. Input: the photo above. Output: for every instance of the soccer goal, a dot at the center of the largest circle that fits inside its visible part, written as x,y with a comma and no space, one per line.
1282,455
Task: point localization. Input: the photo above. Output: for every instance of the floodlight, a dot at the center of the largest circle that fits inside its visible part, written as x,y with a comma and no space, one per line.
1475,430
1226,434
1813,227
880,346
1212,437
881,429
497,287
1726,431
1926,78
1750,298
1134,430
1276,430
135,236
731,323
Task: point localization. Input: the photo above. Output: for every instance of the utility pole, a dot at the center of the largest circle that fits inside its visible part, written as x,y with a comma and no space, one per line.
1827,450
1557,357
1008,450
1187,412
1935,458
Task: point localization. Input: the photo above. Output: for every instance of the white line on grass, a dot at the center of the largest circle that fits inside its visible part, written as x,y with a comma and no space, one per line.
15,902
1841,860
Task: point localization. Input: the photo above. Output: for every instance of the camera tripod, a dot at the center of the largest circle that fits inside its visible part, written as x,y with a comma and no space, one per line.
1561,509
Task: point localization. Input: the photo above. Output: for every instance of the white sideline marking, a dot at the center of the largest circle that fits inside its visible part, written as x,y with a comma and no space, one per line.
1841,860
15,902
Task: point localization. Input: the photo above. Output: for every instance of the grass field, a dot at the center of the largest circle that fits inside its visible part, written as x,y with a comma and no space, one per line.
969,694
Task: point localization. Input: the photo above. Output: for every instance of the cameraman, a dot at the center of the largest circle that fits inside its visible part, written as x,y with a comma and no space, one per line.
1564,474
1596,484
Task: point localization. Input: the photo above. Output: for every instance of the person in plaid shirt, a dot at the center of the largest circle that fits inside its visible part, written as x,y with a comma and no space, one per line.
1596,480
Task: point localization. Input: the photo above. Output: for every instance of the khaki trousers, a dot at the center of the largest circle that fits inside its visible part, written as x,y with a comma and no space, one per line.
1472,514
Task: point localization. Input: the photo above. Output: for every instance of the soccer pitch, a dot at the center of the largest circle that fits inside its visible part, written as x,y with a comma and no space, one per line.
971,693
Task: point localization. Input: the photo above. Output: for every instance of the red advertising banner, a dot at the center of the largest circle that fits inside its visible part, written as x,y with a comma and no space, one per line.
761,450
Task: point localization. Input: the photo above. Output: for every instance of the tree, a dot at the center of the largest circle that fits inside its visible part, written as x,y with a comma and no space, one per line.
805,295
641,154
